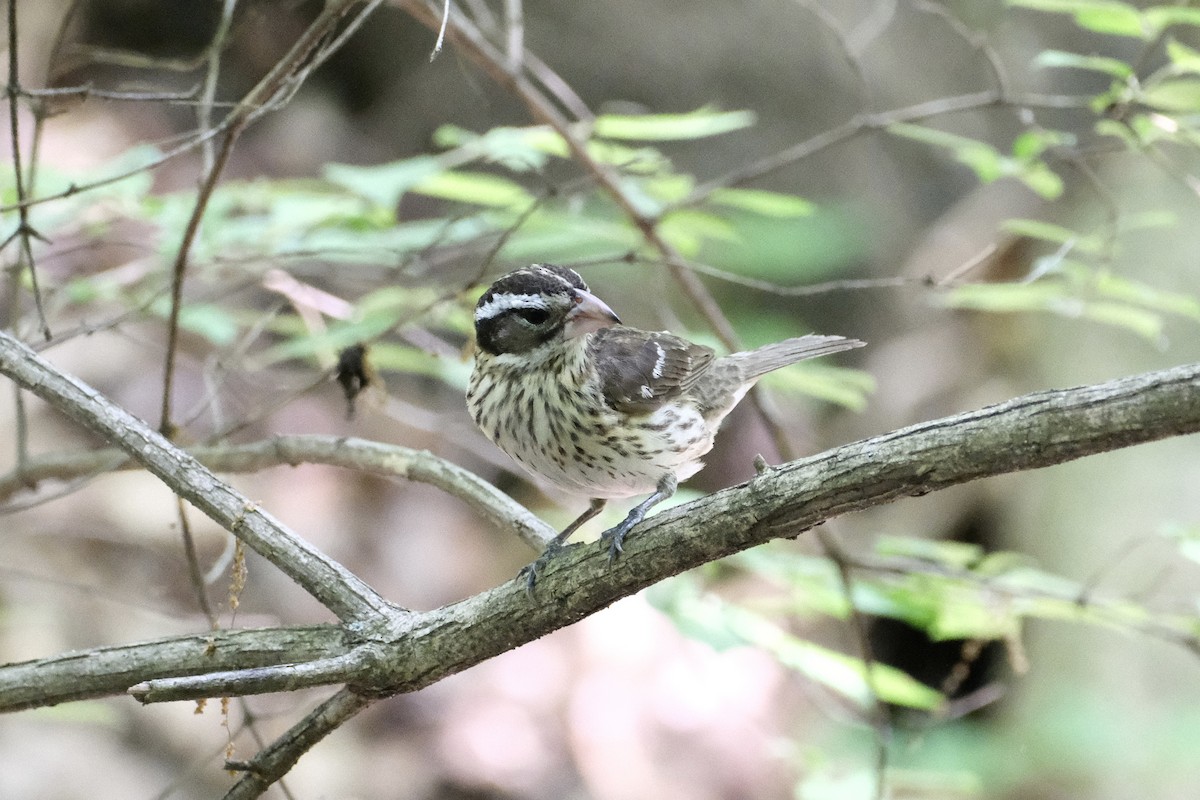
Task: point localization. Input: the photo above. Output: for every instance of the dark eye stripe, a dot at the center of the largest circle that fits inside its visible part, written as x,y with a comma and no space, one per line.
534,316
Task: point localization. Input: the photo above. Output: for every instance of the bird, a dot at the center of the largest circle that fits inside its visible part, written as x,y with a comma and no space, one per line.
599,409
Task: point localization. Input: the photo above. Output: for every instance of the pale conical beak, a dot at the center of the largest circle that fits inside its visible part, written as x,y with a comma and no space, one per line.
589,314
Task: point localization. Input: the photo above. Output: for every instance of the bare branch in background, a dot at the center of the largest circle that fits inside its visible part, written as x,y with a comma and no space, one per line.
350,453
283,79
25,232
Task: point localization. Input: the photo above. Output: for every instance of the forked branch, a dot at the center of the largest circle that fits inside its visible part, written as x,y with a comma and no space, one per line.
382,650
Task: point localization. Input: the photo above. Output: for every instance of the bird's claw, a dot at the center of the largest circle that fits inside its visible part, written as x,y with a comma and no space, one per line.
615,537
616,540
531,570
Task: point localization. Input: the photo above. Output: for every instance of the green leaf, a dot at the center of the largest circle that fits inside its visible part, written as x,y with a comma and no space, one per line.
1133,292
763,203
1055,234
1102,16
1173,94
392,357
322,347
1183,58
1048,59
478,188
213,322
1055,297
711,619
384,184
687,230
631,160
518,149
1032,143
521,149
668,188
671,127
1119,130
981,157
551,234
1041,179
374,246
841,386
988,163
1146,220
1161,17
1147,324
938,551
839,672
1186,538
839,784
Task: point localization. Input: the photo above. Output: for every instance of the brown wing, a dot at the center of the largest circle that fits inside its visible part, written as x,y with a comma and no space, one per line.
640,370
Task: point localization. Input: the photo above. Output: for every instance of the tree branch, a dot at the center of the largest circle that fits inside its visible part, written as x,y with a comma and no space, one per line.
273,762
1029,432
1033,431
333,585
380,650
107,671
351,453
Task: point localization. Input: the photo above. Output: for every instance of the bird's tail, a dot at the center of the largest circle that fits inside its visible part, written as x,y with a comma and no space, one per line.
754,364
729,378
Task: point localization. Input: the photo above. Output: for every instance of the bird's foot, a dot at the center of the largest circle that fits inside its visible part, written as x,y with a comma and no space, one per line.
615,536
531,570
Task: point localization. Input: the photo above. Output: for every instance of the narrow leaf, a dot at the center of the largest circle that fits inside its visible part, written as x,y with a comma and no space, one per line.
1178,95
384,184
669,127
1062,60
478,188
763,203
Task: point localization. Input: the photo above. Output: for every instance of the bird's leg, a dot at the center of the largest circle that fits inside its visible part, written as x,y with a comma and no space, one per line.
530,571
616,536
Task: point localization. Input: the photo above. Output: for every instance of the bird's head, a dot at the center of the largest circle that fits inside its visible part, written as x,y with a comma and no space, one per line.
536,305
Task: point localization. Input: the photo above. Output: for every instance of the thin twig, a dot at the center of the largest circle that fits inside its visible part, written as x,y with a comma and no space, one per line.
973,38
79,188
878,715
25,232
441,31
275,761
280,83
208,92
863,123
87,91
179,270
195,574
514,35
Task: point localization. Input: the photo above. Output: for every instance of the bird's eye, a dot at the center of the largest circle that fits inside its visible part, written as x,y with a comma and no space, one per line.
534,316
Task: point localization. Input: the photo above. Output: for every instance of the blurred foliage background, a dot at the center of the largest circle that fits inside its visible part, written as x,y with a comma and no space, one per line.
998,197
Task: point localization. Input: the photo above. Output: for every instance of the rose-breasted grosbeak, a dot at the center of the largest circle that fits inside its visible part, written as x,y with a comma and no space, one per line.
599,409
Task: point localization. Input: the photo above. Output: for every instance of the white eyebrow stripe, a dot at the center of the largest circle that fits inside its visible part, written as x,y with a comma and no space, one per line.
505,302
